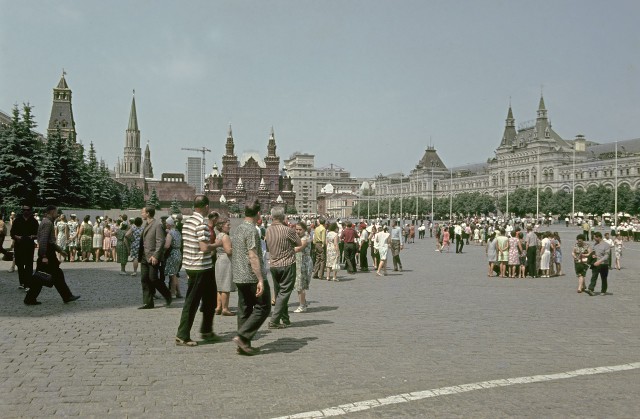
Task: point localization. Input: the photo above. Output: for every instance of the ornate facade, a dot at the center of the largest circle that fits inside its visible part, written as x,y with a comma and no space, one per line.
529,156
254,179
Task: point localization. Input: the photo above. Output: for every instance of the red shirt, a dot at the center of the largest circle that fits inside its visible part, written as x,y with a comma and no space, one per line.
349,235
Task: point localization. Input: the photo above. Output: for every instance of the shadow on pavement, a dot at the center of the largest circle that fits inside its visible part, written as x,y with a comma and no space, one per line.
285,345
308,323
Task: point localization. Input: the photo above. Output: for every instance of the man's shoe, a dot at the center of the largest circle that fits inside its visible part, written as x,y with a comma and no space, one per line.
209,336
286,322
603,293
588,291
168,301
32,303
146,307
300,309
72,298
273,325
244,347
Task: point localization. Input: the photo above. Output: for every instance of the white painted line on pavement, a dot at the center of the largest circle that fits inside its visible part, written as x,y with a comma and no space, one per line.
408,397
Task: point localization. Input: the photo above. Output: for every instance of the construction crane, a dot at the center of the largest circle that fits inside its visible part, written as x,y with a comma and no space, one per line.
202,150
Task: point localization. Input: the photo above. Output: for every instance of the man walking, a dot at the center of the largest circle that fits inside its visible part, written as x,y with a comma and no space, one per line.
150,255
319,238
396,245
198,263
281,242
247,265
48,261
24,230
600,267
349,237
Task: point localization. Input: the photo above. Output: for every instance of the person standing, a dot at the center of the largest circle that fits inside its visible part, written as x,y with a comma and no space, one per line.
364,246
459,240
303,266
24,231
172,245
349,237
600,267
381,243
396,245
581,252
532,244
197,261
62,234
150,255
281,242
247,265
48,261
73,238
224,277
319,238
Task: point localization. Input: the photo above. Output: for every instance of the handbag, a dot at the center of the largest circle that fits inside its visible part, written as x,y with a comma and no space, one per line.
43,278
7,256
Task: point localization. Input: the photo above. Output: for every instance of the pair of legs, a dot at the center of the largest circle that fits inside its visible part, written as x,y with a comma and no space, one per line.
513,271
252,313
222,306
151,281
319,264
503,269
174,286
330,270
522,270
602,271
284,279
382,266
202,286
490,273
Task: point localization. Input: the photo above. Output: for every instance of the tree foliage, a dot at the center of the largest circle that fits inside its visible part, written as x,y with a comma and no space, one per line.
53,171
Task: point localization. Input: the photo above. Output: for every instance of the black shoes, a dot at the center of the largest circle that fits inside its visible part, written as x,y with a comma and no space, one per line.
72,298
146,307
273,325
588,291
244,348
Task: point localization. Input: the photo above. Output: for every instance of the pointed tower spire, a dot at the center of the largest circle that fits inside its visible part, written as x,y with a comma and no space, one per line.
133,116
542,110
271,147
509,135
132,163
62,111
147,168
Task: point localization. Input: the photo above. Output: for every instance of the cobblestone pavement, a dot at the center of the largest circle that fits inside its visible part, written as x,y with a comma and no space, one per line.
440,323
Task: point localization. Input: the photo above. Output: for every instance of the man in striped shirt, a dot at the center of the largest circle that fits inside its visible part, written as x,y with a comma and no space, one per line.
281,242
198,263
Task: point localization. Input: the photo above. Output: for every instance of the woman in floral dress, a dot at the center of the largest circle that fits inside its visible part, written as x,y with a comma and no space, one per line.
134,234
86,238
172,243
62,236
303,266
333,252
514,254
122,252
106,242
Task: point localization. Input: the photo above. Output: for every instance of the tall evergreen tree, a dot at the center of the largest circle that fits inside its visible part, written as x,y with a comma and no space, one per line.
175,206
93,177
74,176
18,170
50,170
136,197
154,200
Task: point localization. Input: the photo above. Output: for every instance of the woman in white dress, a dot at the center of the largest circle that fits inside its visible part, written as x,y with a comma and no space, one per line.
381,243
545,259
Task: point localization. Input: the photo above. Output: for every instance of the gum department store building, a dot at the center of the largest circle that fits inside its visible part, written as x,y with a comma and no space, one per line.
532,155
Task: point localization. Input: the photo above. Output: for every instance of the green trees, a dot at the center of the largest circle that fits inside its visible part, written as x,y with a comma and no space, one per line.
53,171
175,206
154,200
18,158
522,202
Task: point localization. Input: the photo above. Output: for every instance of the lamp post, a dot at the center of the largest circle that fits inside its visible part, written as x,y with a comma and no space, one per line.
432,191
538,186
416,194
615,196
573,187
507,160
401,192
451,195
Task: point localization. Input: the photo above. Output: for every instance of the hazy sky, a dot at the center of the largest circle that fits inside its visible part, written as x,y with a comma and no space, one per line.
360,84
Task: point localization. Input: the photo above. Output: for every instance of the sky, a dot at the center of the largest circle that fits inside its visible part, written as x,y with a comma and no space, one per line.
364,85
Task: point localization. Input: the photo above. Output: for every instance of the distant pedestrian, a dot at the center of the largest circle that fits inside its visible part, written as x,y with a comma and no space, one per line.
150,255
319,247
24,231
397,244
600,266
303,266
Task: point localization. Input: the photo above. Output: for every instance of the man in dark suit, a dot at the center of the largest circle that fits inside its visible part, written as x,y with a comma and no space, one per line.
24,231
150,255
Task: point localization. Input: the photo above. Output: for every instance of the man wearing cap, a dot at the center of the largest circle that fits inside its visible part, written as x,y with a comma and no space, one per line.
24,231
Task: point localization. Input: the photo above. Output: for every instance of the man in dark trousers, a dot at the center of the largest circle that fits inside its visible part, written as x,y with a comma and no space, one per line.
150,255
24,231
48,261
349,237
531,240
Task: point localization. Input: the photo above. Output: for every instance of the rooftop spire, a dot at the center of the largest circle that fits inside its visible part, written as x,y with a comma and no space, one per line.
133,117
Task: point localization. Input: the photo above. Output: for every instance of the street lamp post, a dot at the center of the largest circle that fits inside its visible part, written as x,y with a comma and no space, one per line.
507,160
451,196
416,194
615,196
573,187
401,192
538,186
432,191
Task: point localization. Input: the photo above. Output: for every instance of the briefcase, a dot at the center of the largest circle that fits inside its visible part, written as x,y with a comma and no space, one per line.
43,278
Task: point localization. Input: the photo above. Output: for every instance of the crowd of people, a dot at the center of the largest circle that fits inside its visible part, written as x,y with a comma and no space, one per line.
219,261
